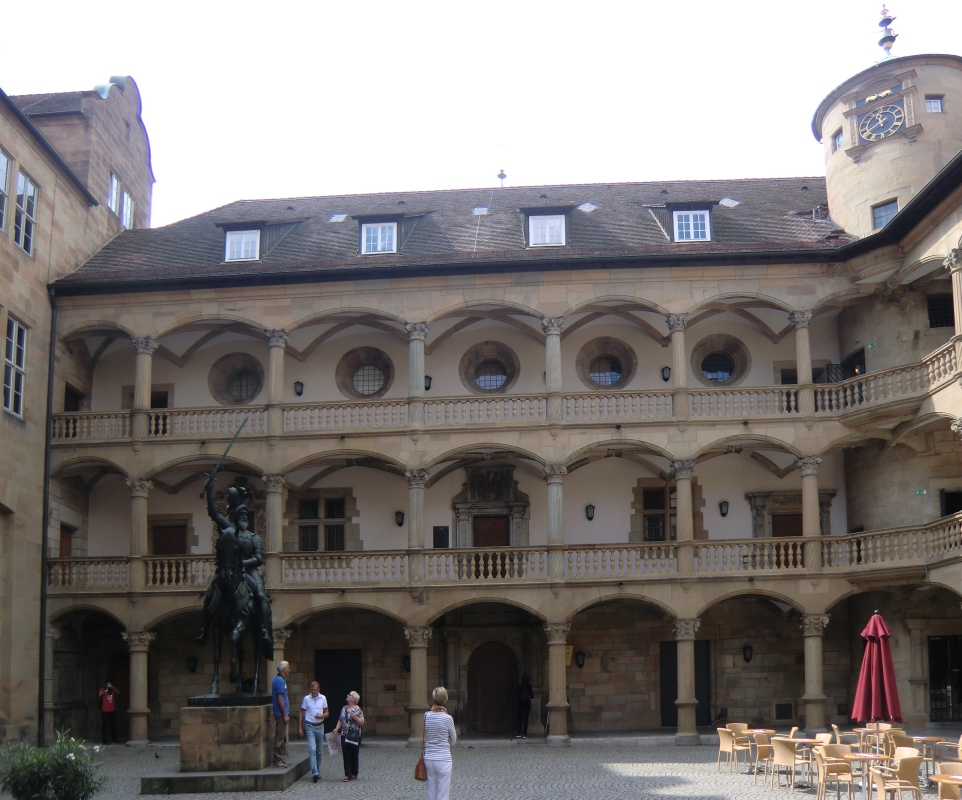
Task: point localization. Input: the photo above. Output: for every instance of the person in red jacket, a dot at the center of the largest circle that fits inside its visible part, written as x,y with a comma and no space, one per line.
108,712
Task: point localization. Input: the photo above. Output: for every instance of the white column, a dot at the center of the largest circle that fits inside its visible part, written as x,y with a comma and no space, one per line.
552,364
803,361
274,513
679,364
416,479
953,263
554,476
811,518
813,631
276,342
418,638
685,630
685,523
557,684
138,642
139,489
144,347
417,332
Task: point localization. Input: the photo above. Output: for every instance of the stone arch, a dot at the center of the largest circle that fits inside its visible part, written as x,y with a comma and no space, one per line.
721,445
642,303
456,309
232,463
762,300
88,328
667,611
340,455
497,446
483,598
230,319
361,312
81,463
754,592
83,607
173,614
301,616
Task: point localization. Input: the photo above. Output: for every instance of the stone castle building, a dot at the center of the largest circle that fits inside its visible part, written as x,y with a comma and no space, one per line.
662,446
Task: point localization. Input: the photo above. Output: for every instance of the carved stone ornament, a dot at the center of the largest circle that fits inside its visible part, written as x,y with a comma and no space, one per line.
139,486
682,470
676,322
957,426
814,624
144,344
281,635
552,325
416,330
416,478
139,640
274,483
418,636
686,628
800,319
808,465
557,632
277,338
553,473
953,261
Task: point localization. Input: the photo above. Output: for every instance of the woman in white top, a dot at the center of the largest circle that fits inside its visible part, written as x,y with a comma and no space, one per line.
439,735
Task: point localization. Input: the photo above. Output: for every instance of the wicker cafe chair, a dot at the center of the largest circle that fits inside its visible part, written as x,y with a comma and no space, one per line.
906,768
871,739
946,790
738,728
831,770
885,786
853,737
730,746
763,755
948,751
784,755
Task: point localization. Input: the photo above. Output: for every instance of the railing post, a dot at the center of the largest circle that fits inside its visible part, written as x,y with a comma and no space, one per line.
417,332
139,643
679,366
685,630
552,364
557,633
416,479
803,362
418,638
685,532
140,412
274,512
811,517
554,476
276,342
813,631
139,488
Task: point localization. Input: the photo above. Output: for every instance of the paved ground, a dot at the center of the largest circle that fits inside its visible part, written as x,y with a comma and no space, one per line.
529,772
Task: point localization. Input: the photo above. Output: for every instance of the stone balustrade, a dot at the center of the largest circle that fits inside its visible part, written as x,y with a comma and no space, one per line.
751,402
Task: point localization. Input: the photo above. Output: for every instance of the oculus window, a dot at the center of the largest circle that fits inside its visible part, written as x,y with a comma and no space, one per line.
718,367
368,379
692,226
379,237
605,371
490,375
546,231
883,213
364,373
242,246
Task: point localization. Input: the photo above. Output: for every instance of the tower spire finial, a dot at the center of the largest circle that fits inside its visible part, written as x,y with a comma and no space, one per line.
888,37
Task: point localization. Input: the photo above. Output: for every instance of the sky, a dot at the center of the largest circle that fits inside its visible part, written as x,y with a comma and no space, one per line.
248,100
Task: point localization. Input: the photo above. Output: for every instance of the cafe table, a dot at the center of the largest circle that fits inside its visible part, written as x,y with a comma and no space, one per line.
927,744
767,731
867,759
807,743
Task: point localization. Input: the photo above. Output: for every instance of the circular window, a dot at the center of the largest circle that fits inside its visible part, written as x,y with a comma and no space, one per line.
720,360
241,385
490,375
368,379
364,372
236,379
718,367
489,368
606,363
605,370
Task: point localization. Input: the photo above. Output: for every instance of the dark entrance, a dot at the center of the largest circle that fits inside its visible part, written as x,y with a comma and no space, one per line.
492,689
118,673
338,672
170,540
945,680
786,525
491,532
669,683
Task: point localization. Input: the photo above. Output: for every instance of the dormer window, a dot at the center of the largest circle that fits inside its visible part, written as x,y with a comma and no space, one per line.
379,237
692,226
546,231
242,246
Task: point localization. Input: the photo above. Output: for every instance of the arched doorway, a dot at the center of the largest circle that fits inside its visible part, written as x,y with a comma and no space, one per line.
492,688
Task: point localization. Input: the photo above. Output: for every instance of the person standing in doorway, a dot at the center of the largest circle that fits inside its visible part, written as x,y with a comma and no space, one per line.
525,696
313,713
282,711
439,735
349,724
108,713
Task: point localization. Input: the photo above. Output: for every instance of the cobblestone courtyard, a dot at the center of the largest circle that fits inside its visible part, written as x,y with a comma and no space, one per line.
495,773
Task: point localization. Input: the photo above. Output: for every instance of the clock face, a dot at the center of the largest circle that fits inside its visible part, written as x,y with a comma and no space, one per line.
880,122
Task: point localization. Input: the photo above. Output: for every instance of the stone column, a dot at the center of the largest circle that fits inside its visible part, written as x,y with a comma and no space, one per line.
139,643
557,684
274,513
813,631
140,413
417,332
137,569
552,364
554,475
803,361
416,479
811,518
685,630
276,342
916,716
281,635
679,364
418,638
953,263
685,533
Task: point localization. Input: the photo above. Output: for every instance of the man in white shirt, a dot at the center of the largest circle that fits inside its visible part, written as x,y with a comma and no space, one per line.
313,713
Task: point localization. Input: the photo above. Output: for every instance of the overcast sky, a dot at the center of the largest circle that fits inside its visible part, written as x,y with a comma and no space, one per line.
277,99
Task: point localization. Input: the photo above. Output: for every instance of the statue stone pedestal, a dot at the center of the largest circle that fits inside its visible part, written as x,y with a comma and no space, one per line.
228,732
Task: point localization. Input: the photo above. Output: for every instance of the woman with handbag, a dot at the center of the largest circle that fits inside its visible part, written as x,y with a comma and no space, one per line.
439,735
349,724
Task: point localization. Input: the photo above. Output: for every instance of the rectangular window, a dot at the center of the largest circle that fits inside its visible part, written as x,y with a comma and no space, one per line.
333,537
4,186
941,311
126,210
883,213
113,193
14,367
659,520
933,103
243,246
546,231
379,237
692,226
309,537
838,140
317,532
25,218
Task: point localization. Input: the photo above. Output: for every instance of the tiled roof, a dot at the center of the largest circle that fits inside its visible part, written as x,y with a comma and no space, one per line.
771,215
57,103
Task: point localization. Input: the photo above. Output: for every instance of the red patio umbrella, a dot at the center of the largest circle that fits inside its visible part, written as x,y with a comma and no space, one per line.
877,696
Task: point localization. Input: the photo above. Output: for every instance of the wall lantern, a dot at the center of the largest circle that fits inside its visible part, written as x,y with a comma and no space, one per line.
427,383
747,653
192,664
399,518
723,508
666,374
298,388
590,512
580,658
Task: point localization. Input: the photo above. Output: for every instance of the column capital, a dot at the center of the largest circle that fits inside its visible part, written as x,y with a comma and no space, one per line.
416,478
800,319
552,325
139,641
676,322
814,624
418,636
139,487
956,426
281,635
277,338
953,261
274,483
683,469
416,331
144,344
557,632
808,465
916,624
686,628
554,473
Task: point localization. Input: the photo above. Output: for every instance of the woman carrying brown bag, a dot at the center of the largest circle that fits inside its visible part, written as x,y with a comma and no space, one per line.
439,735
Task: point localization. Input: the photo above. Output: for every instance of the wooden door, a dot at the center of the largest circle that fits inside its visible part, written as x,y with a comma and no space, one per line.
492,532
170,540
493,689
786,525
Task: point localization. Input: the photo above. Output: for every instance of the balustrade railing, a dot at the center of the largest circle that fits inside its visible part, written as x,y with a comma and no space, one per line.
620,561
167,572
345,416
186,422
890,548
482,410
620,405
469,566
97,574
753,555
742,402
90,426
345,568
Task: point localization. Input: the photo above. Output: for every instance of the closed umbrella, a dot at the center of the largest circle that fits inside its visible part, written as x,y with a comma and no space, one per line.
877,696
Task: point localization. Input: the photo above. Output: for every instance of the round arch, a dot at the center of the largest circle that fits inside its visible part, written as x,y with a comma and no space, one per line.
85,462
761,300
458,308
641,304
230,319
203,460
621,443
302,616
712,448
315,459
85,608
360,313
468,449
97,328
624,596
745,594
497,599
168,616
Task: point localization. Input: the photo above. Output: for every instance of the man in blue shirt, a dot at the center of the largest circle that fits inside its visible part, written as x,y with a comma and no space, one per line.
282,710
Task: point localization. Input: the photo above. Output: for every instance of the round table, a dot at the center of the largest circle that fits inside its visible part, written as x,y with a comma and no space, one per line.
954,780
769,731
867,758
928,744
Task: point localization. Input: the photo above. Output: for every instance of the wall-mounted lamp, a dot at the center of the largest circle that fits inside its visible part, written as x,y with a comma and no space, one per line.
666,374
590,512
192,664
723,508
747,653
399,518
298,388
427,383
580,658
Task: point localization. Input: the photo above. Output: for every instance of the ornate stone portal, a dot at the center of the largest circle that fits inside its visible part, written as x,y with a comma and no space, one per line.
491,491
764,504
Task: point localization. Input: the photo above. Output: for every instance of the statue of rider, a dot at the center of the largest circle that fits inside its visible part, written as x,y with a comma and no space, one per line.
252,553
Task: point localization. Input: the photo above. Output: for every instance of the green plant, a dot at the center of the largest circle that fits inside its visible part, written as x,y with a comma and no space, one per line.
69,770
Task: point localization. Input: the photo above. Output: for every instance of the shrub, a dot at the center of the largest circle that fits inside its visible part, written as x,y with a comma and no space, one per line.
69,770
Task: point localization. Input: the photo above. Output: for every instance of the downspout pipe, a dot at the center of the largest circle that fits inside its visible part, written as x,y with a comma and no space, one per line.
44,534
